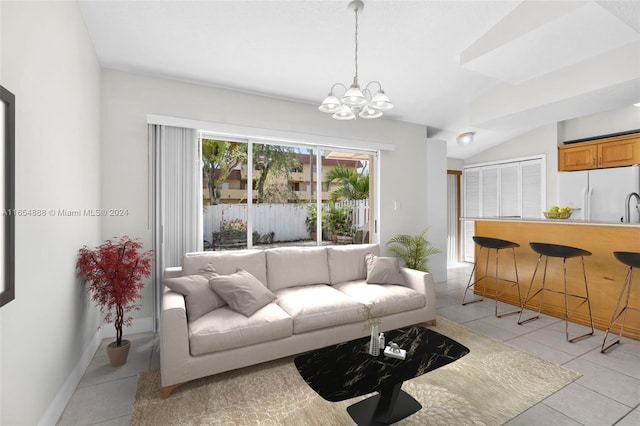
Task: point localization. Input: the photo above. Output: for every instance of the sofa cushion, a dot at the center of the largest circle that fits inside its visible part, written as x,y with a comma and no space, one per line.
225,328
384,299
296,266
318,306
199,298
383,270
227,262
242,292
347,263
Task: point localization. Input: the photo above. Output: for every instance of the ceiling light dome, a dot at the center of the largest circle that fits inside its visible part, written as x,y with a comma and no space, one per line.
465,138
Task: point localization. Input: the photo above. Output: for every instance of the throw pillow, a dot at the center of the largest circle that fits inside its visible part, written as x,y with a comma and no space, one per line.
242,291
198,297
383,270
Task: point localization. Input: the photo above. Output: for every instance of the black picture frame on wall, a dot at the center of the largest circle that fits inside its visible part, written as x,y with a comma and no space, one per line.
7,196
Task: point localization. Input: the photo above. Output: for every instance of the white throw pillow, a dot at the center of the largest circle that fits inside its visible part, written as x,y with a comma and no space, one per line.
346,263
383,270
242,291
199,299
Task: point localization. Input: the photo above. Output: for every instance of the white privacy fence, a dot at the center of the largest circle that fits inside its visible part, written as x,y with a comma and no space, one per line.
286,221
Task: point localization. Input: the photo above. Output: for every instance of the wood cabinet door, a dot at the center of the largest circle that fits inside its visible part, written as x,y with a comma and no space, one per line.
620,153
577,157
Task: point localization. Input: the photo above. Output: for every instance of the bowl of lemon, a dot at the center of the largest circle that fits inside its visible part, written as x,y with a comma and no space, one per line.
556,212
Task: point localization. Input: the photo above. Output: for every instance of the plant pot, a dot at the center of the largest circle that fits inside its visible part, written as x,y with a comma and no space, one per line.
344,239
118,354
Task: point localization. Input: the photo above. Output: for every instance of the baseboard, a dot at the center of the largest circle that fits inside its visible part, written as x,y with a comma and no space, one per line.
59,403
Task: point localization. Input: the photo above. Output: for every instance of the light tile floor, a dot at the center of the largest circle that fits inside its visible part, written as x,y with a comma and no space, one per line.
608,393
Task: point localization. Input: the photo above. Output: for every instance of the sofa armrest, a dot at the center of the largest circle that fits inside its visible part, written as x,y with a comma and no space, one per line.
421,282
172,272
174,338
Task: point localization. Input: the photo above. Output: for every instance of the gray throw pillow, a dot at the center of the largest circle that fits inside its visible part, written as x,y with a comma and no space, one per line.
383,270
242,291
199,299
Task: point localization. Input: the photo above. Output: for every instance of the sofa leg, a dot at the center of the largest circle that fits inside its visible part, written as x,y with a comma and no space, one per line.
432,323
166,390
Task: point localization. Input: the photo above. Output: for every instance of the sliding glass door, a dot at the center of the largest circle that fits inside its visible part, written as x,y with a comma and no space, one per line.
258,194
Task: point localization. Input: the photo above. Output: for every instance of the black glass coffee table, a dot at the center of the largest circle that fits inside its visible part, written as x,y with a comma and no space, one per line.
346,370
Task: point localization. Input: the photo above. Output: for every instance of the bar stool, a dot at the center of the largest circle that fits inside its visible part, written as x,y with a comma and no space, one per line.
632,260
564,252
497,245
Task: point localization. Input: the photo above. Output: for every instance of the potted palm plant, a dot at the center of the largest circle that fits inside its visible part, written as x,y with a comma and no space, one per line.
414,250
113,272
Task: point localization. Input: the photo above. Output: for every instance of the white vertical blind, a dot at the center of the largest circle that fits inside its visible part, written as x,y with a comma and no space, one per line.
177,190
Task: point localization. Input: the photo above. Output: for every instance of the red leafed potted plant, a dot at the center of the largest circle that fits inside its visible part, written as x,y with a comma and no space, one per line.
114,273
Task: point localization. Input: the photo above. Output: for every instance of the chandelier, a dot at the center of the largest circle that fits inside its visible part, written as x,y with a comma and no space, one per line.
355,102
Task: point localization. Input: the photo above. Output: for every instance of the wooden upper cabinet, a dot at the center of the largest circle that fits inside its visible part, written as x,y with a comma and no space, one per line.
580,156
620,153
608,152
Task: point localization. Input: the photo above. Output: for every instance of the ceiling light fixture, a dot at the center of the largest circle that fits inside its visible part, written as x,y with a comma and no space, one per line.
355,102
465,138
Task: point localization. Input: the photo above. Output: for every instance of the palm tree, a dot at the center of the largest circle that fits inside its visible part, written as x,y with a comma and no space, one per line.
350,185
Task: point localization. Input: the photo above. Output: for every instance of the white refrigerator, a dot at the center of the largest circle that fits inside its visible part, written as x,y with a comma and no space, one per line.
600,194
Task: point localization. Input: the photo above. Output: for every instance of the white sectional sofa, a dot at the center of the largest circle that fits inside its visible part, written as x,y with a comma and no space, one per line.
289,300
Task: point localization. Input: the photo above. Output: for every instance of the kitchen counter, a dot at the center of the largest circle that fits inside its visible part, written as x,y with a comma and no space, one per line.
605,274
550,221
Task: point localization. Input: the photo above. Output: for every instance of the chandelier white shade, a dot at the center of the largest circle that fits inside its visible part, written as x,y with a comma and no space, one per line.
369,102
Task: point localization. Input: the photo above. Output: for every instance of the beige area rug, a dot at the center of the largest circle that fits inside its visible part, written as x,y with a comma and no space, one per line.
492,384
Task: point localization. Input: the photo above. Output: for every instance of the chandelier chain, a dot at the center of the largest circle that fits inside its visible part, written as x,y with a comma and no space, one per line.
356,77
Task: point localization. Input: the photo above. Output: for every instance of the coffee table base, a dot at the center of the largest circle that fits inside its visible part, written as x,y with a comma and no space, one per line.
389,406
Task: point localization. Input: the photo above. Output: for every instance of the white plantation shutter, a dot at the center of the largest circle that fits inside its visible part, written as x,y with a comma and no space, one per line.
489,192
471,201
532,189
506,188
509,190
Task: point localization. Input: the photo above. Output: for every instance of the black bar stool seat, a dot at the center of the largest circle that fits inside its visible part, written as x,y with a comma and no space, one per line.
629,258
632,260
564,252
497,245
494,243
556,250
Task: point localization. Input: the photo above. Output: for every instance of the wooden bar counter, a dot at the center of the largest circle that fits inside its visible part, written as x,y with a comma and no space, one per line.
605,274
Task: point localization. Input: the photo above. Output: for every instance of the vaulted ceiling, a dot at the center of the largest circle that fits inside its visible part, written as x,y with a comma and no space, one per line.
498,68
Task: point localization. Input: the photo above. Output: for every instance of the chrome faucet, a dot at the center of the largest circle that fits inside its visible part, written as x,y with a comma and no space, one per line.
627,205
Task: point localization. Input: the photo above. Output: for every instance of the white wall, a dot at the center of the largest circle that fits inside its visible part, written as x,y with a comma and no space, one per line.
619,120
455,164
48,63
128,98
436,211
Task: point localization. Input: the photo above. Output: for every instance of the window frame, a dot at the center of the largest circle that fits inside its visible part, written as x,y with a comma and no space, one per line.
253,136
